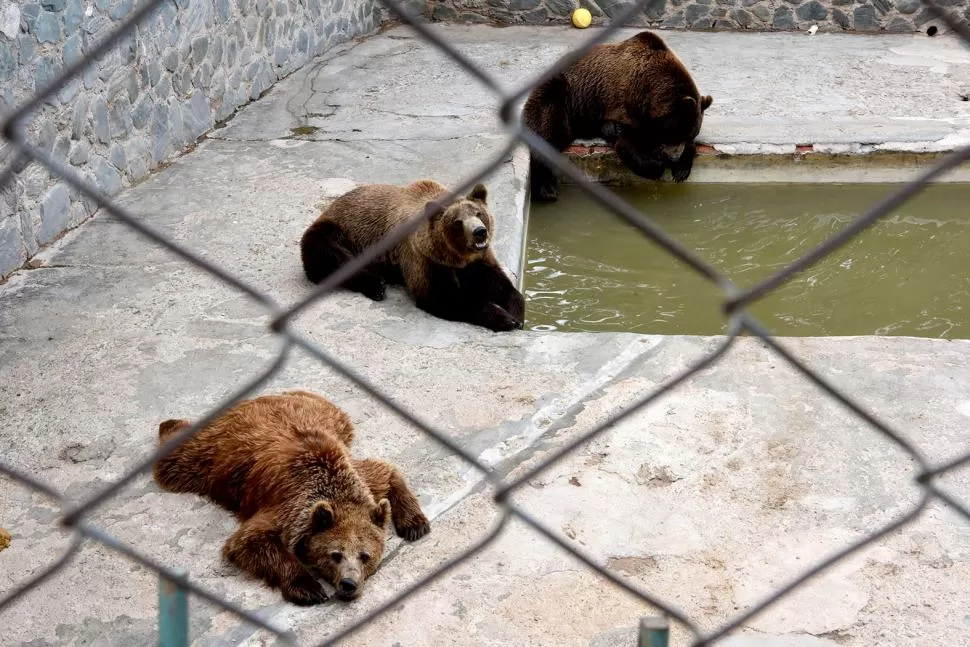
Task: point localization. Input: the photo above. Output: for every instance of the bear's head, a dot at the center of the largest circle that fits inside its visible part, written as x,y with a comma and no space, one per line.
460,233
342,544
672,113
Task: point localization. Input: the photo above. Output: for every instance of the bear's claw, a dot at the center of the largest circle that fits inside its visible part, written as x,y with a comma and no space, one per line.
415,531
304,591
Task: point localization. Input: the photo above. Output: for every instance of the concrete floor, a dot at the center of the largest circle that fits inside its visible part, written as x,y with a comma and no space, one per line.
710,499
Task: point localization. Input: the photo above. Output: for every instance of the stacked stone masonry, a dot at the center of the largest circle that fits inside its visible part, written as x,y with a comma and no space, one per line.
898,16
191,64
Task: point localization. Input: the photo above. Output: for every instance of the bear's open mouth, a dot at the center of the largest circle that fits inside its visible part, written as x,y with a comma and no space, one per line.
481,245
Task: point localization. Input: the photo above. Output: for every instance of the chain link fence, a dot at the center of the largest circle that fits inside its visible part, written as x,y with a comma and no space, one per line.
74,517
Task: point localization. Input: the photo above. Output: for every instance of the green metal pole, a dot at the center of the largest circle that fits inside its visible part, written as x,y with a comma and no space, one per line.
173,612
654,631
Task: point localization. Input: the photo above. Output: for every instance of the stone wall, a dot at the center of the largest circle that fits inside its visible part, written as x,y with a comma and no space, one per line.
760,15
188,66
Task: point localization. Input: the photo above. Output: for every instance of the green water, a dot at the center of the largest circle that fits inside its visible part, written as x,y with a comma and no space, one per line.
586,270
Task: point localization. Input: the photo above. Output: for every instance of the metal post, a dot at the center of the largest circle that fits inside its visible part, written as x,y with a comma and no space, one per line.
654,631
173,612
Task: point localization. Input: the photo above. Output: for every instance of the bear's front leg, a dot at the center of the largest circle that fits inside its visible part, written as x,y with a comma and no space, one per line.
680,170
544,182
257,547
386,481
649,165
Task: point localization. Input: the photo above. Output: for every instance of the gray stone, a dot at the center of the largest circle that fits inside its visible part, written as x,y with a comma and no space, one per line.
908,6
47,28
655,9
900,25
126,48
842,3
96,25
120,117
72,50
164,89
280,56
120,10
864,18
90,77
812,10
28,48
116,154
99,115
200,46
132,85
170,60
73,16
79,117
8,61
10,21
12,253
783,19
742,17
141,112
523,5
46,136
28,16
105,175
53,5
613,8
723,25
882,6
535,17
67,93
47,68
55,213
303,42
762,13
62,148
924,17
161,138
675,21
139,158
80,150
841,19
695,12
198,114
102,5
223,12
154,72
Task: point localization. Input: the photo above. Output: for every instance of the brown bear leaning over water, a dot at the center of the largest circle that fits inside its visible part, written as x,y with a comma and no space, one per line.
447,265
636,94
308,510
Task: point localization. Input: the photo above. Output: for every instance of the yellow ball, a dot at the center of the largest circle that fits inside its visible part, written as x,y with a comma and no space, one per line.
582,18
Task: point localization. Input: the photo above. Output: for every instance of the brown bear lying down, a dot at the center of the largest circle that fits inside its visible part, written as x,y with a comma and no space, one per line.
636,94
281,463
447,265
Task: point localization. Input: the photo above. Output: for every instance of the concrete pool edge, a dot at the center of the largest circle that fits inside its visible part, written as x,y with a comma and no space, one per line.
790,164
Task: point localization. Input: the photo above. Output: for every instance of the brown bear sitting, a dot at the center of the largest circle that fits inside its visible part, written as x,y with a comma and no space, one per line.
636,94
281,463
446,265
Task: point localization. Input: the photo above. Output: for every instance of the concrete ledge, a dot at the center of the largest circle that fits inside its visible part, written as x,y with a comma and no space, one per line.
796,163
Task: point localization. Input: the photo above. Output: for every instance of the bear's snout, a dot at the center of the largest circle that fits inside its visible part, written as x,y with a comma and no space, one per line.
480,234
673,153
347,589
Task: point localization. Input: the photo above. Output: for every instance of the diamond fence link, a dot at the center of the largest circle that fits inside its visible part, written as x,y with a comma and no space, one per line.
14,129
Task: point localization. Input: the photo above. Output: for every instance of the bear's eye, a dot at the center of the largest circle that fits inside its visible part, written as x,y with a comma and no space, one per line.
364,558
336,556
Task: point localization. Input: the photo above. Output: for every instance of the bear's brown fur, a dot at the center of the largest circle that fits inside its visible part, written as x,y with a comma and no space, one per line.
447,265
636,94
281,463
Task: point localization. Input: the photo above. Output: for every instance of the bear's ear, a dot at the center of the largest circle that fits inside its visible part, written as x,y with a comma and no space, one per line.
706,102
321,517
381,513
433,210
479,193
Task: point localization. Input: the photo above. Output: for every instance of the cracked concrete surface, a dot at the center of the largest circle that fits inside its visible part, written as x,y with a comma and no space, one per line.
713,497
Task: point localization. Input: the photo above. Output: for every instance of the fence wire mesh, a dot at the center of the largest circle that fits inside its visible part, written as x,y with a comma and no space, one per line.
735,300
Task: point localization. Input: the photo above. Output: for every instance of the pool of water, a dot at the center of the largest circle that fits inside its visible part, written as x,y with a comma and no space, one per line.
587,270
